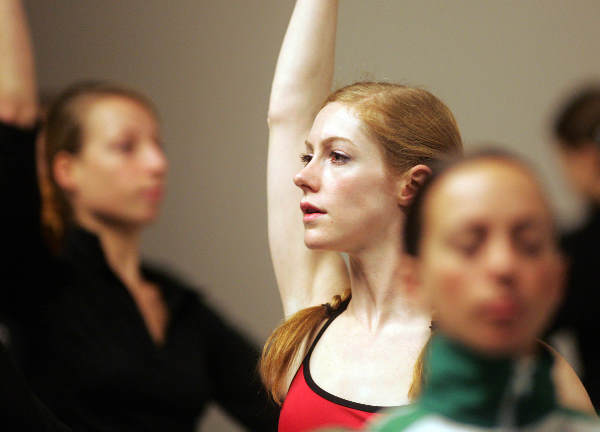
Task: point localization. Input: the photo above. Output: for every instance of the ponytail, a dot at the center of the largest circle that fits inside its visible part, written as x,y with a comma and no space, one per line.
416,387
283,346
55,211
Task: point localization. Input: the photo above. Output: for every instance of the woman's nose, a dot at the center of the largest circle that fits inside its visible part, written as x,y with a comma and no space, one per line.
502,261
156,160
307,178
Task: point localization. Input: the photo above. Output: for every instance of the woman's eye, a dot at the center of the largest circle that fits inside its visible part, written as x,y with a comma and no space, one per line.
339,157
126,146
305,158
468,244
530,247
467,249
530,241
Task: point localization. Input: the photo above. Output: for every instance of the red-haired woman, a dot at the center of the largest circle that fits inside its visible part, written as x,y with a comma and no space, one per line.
366,149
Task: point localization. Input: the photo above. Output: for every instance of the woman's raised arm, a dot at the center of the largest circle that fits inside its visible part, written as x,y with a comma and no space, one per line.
302,81
18,88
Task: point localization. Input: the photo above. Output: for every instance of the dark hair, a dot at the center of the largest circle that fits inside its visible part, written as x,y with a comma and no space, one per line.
578,120
63,132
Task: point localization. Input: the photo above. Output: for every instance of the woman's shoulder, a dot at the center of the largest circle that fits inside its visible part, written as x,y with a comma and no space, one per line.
172,283
569,389
180,293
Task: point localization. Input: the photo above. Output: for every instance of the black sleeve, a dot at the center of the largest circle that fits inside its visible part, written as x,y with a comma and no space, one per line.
233,367
24,250
569,315
26,265
18,406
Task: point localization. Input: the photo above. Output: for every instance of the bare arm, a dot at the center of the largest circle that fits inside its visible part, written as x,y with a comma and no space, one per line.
570,391
18,92
302,81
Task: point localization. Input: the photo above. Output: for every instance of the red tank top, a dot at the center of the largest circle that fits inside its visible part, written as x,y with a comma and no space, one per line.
308,407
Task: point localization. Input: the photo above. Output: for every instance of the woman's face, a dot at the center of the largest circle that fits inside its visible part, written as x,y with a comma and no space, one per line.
349,197
488,264
119,174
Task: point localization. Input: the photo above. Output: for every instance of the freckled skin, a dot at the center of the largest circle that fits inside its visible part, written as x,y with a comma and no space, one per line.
488,264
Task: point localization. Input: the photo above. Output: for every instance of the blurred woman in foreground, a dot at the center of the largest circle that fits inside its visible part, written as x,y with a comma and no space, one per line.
482,255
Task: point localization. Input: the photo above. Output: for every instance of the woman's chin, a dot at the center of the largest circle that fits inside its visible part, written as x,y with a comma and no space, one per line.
500,344
317,243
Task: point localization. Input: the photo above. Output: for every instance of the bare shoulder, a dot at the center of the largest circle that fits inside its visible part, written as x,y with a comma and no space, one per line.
569,389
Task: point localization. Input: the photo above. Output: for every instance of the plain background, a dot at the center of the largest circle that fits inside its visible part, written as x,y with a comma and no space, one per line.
501,66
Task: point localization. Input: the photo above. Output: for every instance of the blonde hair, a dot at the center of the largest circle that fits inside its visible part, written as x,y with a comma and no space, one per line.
413,127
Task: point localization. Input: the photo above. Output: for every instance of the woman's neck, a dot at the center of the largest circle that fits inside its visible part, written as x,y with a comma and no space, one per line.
121,246
378,294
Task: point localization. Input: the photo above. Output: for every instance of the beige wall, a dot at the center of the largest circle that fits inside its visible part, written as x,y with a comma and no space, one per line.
499,65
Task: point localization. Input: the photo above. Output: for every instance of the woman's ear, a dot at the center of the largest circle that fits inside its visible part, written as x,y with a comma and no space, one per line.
63,171
410,182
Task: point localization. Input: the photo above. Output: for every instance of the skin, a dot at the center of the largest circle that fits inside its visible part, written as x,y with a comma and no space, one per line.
302,81
18,92
490,217
582,166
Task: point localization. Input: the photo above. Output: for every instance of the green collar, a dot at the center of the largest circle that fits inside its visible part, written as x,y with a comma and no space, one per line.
471,388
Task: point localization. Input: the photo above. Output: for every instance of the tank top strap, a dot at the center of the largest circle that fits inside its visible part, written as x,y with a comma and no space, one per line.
327,324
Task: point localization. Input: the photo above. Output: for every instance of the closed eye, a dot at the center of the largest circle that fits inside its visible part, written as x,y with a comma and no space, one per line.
469,242
125,146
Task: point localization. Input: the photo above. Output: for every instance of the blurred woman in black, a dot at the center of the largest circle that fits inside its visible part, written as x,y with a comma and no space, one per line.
106,341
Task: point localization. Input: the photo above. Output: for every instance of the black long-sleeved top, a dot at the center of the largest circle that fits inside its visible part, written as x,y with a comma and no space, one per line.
83,343
19,408
581,306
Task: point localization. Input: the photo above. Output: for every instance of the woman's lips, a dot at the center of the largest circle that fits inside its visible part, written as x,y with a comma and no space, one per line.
310,211
502,310
154,193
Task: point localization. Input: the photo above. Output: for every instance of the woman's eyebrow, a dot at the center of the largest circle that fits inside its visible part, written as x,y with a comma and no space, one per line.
327,141
468,229
529,223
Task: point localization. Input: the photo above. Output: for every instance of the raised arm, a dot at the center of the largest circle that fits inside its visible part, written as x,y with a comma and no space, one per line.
18,179
302,81
18,91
